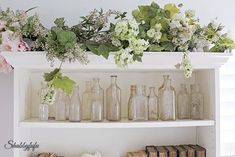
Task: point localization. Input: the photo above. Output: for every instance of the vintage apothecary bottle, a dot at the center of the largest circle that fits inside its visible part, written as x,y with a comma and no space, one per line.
60,106
183,103
197,102
75,110
113,100
130,102
167,101
87,101
140,105
67,106
97,105
152,104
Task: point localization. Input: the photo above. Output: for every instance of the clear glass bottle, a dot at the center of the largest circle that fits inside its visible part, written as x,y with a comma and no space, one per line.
130,102
152,104
183,104
97,105
67,106
165,77
87,101
167,101
43,112
144,90
60,106
75,110
140,105
113,100
197,106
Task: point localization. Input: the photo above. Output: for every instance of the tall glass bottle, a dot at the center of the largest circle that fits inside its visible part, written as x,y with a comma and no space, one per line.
183,104
60,106
167,101
67,106
87,101
113,95
130,102
140,105
165,78
197,106
152,104
75,110
97,105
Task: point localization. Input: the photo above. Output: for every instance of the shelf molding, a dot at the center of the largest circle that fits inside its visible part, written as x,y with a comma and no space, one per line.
150,61
35,123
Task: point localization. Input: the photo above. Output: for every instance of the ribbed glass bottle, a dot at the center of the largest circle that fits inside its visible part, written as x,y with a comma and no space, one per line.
197,104
152,104
140,105
60,106
87,101
113,100
75,110
97,105
167,101
183,103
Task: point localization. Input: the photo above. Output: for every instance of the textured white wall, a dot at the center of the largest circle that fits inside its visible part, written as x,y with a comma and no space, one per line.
72,10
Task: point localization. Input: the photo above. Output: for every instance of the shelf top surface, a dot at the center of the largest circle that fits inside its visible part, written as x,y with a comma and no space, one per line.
35,123
150,60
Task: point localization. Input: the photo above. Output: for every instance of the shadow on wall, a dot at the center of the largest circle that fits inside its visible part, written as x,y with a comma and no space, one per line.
6,114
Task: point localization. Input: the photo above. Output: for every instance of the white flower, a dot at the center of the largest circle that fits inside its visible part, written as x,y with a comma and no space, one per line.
214,24
158,27
175,24
190,13
116,42
151,33
138,45
121,28
157,36
123,57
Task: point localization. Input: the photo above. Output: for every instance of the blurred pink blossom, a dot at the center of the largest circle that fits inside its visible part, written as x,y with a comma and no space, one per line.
10,44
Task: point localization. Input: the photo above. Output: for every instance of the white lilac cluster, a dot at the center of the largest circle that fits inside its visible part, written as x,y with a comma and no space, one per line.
181,30
202,45
185,65
48,95
78,54
155,33
127,31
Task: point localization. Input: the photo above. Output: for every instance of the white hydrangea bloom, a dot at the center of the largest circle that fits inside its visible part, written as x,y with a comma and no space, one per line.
116,42
190,13
121,28
175,24
151,33
123,57
158,27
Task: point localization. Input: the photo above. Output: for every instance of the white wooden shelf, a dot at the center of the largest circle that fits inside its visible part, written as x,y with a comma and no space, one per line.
35,123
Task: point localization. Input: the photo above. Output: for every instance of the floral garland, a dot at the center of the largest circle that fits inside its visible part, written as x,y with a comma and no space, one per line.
151,28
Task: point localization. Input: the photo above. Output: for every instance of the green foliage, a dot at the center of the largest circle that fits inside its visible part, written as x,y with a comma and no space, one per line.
223,44
56,80
171,8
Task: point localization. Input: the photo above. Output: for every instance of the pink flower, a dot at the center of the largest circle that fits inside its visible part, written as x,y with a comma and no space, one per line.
10,44
4,66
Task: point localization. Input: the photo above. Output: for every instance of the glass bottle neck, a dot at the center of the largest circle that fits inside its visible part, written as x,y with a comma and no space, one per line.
152,91
96,82
183,88
113,80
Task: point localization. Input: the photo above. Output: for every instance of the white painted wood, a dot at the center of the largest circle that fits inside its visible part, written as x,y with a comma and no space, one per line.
35,123
150,61
115,138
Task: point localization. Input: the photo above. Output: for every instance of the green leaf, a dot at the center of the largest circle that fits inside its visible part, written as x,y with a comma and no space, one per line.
155,5
64,83
59,22
105,48
171,8
92,46
155,48
50,76
67,39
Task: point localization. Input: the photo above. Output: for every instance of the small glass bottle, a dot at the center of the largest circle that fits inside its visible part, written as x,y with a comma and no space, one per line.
152,104
87,101
140,105
75,110
60,106
167,101
97,105
130,102
197,106
144,90
43,113
183,104
113,95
